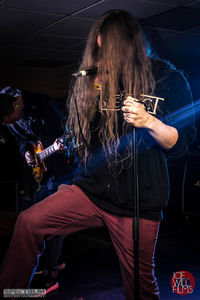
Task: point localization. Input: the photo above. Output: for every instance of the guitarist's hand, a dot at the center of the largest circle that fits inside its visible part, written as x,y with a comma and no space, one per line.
58,146
30,159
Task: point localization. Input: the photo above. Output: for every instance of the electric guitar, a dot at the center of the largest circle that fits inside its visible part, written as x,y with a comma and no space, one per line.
40,154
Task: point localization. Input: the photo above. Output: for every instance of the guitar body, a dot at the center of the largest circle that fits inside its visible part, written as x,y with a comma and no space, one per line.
40,165
61,144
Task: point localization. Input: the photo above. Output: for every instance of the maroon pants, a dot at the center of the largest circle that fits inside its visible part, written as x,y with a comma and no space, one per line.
69,210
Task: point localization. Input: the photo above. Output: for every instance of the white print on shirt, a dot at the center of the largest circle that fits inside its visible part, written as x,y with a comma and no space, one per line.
118,100
151,103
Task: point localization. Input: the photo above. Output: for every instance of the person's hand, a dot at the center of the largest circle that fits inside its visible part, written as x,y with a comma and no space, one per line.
134,113
30,159
58,146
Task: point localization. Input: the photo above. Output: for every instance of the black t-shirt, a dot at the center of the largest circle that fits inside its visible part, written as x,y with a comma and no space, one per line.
113,191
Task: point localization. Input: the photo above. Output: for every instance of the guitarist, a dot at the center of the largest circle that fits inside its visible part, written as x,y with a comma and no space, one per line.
34,122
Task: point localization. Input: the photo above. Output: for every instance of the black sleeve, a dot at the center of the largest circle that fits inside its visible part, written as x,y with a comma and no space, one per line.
180,113
23,144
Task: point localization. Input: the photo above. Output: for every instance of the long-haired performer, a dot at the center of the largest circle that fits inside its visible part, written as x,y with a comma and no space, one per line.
124,89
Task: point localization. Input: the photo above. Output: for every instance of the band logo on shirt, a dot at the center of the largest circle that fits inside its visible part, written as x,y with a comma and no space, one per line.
151,103
118,103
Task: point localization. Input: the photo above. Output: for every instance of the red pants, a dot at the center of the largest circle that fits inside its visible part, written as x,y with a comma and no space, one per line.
67,211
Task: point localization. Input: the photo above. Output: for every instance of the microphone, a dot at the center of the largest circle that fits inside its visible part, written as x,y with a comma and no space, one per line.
85,72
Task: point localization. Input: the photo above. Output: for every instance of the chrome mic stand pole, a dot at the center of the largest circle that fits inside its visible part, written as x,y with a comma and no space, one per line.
135,216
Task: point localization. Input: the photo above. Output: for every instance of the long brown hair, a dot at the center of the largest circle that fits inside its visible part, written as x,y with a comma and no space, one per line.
122,58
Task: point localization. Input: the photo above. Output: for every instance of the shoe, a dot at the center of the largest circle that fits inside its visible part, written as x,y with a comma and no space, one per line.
40,292
51,286
59,267
43,285
39,271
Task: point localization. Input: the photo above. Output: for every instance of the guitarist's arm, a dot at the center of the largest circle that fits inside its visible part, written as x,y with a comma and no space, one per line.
23,143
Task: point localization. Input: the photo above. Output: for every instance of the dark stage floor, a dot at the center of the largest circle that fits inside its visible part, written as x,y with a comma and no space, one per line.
92,271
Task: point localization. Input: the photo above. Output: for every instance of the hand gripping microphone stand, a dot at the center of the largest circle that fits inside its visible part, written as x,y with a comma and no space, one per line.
135,224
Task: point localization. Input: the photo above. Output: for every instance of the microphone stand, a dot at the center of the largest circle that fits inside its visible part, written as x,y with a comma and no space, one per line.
135,215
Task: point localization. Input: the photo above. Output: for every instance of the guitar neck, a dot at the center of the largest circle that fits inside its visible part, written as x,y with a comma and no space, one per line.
46,152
